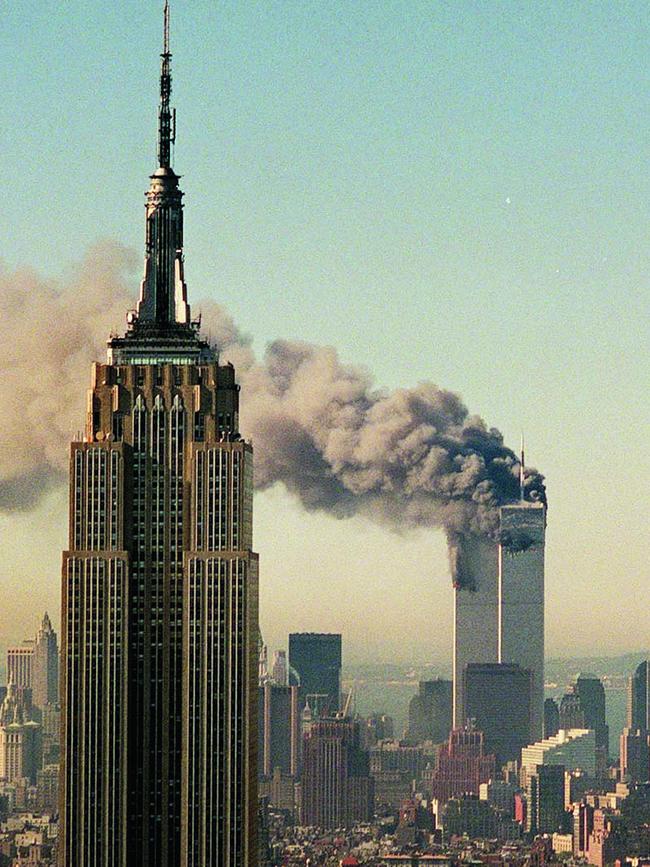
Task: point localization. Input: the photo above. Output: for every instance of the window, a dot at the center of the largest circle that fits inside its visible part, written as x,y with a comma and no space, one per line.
117,427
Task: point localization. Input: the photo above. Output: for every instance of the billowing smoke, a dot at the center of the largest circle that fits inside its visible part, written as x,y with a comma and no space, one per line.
49,331
407,458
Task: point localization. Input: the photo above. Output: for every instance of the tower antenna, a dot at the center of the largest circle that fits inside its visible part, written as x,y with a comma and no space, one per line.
165,134
522,467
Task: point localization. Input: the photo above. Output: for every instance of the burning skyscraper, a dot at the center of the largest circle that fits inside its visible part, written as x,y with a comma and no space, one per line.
499,601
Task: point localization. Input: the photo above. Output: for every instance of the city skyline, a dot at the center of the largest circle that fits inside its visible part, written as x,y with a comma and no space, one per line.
587,543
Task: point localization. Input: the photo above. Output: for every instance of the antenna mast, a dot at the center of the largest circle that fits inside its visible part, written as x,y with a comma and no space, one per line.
522,466
166,135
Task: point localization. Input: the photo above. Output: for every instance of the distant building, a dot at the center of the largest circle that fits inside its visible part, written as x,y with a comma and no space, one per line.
571,713
51,730
20,740
498,700
416,824
462,765
583,825
551,718
316,659
635,755
500,794
279,729
592,700
477,819
607,841
47,786
280,789
638,703
396,768
499,602
545,797
20,664
574,749
378,727
45,675
337,790
280,669
430,711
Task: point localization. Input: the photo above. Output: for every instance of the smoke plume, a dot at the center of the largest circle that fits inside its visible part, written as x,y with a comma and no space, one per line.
406,458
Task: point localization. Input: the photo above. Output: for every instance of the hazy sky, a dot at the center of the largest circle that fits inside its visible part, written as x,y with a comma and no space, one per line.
456,192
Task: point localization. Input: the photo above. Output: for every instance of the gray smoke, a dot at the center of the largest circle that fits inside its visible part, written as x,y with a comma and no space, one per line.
412,457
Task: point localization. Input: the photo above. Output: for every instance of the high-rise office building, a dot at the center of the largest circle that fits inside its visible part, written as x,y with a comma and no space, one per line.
159,624
499,605
572,716
45,673
638,698
591,693
279,669
20,664
337,789
430,711
497,698
315,658
635,755
279,729
462,765
545,796
551,718
574,749
20,740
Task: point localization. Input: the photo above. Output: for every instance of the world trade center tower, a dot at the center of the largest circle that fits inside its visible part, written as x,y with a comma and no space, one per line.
499,610
159,602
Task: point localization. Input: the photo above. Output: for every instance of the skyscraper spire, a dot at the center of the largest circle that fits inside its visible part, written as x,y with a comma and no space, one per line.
166,115
161,328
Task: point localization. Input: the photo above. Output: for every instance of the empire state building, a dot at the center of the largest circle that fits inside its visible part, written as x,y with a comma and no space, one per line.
159,585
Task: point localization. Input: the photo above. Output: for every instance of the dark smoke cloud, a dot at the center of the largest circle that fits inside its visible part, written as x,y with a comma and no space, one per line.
407,458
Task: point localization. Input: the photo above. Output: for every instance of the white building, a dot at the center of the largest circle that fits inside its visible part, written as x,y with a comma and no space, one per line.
573,748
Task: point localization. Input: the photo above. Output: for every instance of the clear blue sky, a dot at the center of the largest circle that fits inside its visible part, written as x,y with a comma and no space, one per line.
446,191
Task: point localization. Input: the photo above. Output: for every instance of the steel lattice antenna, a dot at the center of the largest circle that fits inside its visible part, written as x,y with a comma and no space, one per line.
166,116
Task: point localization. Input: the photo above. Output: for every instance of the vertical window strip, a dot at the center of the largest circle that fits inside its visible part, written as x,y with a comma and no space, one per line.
199,502
115,500
78,498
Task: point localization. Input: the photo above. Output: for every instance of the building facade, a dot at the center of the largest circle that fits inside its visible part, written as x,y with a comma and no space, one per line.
20,665
45,674
545,797
315,661
337,789
462,766
574,749
430,711
638,703
591,692
499,603
498,698
635,755
279,729
20,740
159,585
